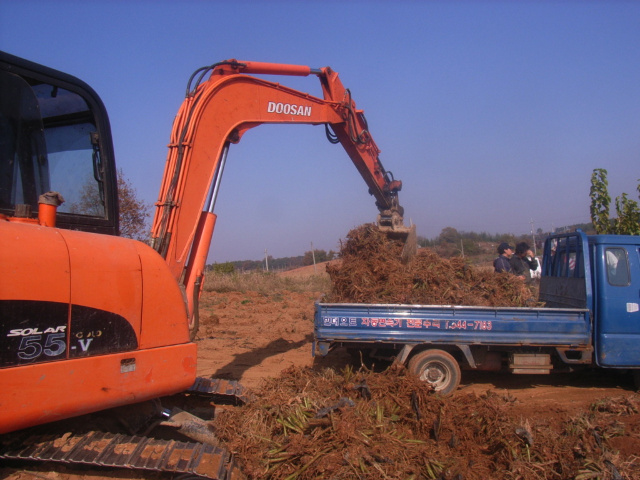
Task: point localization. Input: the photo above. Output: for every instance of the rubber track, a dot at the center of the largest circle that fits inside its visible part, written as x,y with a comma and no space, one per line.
123,451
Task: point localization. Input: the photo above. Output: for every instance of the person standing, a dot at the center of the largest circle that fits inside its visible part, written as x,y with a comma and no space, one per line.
523,261
502,264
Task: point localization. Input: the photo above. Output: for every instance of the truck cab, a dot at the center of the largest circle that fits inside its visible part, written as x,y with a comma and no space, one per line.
616,299
601,273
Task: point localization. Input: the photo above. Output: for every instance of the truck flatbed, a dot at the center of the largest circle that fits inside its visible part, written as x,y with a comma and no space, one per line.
591,318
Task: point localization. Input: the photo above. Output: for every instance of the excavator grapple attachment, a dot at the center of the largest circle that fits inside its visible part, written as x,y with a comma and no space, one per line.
391,222
406,235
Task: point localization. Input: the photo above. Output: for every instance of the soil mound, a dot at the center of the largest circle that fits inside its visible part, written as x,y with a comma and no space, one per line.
372,271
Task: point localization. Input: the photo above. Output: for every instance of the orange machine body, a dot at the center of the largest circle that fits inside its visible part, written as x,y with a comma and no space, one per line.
89,320
102,323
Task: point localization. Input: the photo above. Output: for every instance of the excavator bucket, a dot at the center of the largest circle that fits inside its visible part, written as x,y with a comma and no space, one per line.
406,235
391,222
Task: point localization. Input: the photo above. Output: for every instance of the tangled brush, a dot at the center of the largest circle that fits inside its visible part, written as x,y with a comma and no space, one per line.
372,271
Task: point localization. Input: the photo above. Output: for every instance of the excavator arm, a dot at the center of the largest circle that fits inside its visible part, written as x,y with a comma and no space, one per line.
216,113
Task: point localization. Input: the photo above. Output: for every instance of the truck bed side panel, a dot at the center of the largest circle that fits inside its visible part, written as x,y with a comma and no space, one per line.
452,324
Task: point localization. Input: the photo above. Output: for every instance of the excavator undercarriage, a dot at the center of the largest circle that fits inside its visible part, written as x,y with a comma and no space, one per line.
155,436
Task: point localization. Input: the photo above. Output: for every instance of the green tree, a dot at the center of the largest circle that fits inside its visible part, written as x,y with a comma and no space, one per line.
449,235
470,247
600,201
627,210
319,256
224,268
628,221
424,241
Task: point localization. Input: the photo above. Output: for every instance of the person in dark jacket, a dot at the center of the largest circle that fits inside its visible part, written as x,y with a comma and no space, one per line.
502,264
523,261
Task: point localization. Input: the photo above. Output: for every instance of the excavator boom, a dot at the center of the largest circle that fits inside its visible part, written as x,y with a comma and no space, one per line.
216,113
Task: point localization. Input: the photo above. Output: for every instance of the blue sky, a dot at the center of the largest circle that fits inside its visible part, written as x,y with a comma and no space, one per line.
493,114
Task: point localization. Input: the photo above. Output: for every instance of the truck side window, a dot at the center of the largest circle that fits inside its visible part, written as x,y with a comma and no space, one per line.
617,267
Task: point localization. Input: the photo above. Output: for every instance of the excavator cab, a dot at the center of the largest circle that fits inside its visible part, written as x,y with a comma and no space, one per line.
54,136
74,298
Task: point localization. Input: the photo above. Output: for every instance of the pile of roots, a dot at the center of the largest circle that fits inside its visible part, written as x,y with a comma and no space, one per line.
371,270
363,425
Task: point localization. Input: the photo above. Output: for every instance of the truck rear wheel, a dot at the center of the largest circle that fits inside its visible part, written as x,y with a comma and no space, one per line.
438,368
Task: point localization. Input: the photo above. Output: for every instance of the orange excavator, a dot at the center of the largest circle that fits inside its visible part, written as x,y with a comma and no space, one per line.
89,320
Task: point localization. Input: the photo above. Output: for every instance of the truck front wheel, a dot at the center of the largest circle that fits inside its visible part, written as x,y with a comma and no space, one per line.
438,368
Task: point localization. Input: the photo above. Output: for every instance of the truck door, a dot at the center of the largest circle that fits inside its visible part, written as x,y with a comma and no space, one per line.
617,305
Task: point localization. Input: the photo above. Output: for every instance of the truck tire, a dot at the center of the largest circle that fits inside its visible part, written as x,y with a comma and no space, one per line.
438,368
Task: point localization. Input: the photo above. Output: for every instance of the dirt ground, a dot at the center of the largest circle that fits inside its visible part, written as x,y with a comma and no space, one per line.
253,337
250,337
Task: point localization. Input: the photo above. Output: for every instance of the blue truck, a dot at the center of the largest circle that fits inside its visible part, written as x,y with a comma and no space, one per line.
590,286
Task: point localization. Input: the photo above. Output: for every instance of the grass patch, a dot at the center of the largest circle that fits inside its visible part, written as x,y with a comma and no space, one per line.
266,283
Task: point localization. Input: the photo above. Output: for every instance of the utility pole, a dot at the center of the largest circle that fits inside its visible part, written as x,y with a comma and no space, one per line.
266,259
313,255
533,236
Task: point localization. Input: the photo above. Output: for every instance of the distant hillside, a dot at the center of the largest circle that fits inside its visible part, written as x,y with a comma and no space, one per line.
477,248
308,270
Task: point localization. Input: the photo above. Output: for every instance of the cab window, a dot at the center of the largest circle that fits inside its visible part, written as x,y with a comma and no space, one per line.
617,267
73,157
46,145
